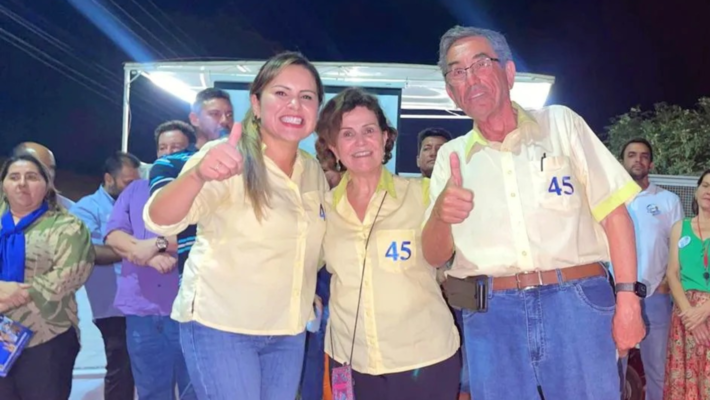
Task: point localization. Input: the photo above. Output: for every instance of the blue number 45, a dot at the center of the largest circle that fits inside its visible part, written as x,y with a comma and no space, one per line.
399,253
566,184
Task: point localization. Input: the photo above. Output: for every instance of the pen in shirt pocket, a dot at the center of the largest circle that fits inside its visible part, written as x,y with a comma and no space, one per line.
542,161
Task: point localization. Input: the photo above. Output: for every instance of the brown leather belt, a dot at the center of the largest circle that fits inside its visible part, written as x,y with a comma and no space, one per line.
527,280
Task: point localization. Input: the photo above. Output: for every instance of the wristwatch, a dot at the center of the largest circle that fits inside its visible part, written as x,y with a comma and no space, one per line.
161,243
636,287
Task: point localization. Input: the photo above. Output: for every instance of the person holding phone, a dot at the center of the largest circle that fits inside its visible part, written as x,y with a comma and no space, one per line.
389,324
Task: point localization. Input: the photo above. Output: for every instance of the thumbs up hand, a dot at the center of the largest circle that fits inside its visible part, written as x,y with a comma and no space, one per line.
224,160
455,203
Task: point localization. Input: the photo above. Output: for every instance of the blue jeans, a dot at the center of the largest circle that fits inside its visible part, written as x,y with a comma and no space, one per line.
314,362
465,384
226,366
156,358
555,336
657,310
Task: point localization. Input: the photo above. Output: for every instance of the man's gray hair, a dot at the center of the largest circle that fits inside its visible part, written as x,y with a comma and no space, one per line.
496,39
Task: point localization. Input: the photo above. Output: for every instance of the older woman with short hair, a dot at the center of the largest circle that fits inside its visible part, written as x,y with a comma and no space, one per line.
388,319
45,257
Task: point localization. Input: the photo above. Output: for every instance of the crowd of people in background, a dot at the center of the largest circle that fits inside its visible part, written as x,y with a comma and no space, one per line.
244,267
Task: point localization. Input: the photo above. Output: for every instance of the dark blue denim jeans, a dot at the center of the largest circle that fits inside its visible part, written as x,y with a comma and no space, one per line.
156,358
465,386
314,363
657,310
556,336
225,365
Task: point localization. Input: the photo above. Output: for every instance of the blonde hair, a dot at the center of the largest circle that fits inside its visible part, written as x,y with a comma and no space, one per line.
256,184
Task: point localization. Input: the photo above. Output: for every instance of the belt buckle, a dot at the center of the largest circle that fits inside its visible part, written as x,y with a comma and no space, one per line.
539,280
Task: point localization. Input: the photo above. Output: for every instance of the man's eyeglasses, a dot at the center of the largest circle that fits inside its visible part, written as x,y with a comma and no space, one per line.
459,74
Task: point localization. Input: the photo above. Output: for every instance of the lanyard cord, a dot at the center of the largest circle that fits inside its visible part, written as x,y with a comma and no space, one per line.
362,279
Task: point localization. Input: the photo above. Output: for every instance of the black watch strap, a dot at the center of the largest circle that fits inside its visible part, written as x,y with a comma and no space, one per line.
637,288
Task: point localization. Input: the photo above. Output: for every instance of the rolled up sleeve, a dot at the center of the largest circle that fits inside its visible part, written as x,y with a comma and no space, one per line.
88,212
607,184
207,200
120,218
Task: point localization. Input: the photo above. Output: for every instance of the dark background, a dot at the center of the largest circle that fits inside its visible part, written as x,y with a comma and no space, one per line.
65,89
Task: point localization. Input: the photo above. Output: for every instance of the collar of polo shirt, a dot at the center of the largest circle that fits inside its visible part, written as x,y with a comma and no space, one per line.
386,183
527,131
426,184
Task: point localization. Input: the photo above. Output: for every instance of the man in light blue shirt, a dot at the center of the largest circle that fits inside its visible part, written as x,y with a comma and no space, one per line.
94,210
653,211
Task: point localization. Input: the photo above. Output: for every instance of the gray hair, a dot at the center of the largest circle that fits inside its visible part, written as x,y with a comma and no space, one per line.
496,39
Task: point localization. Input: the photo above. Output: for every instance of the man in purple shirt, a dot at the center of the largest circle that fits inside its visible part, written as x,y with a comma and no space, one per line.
150,283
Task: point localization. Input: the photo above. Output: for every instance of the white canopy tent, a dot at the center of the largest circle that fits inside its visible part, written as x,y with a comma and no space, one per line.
422,85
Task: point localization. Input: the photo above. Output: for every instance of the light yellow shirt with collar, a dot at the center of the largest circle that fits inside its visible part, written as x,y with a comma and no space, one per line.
539,196
246,276
403,322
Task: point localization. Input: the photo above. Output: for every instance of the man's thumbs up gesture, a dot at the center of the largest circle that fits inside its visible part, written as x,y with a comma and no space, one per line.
455,203
224,160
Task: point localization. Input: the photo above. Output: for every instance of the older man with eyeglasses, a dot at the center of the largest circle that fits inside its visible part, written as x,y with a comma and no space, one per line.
531,202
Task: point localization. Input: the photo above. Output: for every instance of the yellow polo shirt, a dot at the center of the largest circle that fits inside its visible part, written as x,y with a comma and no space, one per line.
404,322
540,195
246,276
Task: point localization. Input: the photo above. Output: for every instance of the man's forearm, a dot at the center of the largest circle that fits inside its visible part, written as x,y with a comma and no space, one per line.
622,248
121,243
622,245
437,242
105,255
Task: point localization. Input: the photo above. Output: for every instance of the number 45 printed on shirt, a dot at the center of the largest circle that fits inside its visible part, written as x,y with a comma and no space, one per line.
399,251
561,185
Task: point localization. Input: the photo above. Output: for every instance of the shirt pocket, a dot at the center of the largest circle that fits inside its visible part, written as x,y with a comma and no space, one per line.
396,249
555,185
313,204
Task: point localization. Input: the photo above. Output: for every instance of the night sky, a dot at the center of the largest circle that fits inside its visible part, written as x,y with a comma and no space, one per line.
606,55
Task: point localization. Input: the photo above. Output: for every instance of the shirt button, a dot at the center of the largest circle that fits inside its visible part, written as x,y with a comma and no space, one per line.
512,195
525,254
509,172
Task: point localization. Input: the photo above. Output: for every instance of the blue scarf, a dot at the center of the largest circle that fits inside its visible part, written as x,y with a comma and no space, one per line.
12,244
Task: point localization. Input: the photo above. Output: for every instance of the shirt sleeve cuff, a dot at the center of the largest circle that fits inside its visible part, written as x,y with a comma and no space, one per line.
164,230
621,196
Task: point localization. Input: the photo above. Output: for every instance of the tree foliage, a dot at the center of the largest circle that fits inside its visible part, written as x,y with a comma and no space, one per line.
680,137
